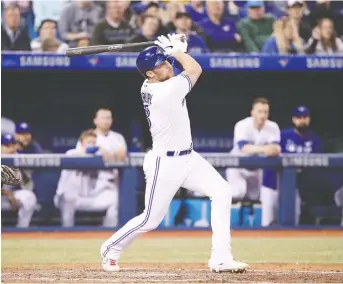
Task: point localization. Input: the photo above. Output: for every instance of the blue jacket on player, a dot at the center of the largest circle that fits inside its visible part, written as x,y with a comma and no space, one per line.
293,143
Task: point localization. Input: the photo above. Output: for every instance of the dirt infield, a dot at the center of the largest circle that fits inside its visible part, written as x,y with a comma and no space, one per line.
171,272
177,273
177,234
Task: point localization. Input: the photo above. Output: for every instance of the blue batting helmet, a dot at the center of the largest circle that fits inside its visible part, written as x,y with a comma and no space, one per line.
150,58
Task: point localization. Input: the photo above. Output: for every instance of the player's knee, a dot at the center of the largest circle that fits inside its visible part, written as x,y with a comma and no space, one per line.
69,197
32,200
110,198
223,192
238,192
28,199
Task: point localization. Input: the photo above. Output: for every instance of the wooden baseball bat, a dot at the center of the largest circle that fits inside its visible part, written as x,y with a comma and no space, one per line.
79,51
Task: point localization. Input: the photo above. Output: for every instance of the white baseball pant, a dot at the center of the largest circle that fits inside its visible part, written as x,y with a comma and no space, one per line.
270,206
164,176
246,183
27,205
105,200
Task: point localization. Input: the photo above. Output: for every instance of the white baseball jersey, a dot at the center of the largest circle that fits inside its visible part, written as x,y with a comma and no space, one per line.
167,114
110,142
246,133
7,125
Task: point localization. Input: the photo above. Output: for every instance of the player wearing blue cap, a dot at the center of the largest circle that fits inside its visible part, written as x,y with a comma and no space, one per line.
8,144
298,139
172,163
16,196
26,144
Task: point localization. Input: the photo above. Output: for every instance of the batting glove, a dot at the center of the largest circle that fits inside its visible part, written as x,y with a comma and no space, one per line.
172,43
179,42
164,43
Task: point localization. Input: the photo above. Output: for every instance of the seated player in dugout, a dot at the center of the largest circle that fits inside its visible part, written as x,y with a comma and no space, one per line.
19,198
87,190
112,144
25,141
254,135
314,186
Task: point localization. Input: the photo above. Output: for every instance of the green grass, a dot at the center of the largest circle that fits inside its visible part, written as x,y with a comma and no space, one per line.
174,250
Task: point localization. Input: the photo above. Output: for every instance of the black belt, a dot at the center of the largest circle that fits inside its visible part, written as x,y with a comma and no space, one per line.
181,153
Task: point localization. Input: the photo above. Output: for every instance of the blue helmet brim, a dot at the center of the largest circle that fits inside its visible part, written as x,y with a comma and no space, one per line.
150,58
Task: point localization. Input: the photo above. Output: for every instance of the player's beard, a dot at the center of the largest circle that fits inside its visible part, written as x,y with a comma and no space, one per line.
302,129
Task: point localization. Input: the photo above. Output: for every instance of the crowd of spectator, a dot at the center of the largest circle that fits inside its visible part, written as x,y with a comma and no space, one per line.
276,27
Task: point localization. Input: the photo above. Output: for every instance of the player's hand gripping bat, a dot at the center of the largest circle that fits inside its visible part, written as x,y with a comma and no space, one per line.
96,49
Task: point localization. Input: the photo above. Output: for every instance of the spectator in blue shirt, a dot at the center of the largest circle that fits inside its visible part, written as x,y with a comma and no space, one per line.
183,24
221,32
25,141
196,10
284,40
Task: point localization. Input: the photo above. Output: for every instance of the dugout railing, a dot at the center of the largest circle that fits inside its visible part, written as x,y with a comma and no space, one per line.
286,165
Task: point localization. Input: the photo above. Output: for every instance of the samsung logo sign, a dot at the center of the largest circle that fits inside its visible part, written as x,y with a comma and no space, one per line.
125,61
325,62
305,161
37,162
44,61
235,63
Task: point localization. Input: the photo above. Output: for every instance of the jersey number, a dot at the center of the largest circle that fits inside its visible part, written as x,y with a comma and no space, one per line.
147,113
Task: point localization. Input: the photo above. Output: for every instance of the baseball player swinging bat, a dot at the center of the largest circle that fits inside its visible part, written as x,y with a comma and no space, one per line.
172,163
88,50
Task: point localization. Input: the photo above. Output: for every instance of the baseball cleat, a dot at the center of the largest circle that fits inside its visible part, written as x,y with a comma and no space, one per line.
231,266
110,265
